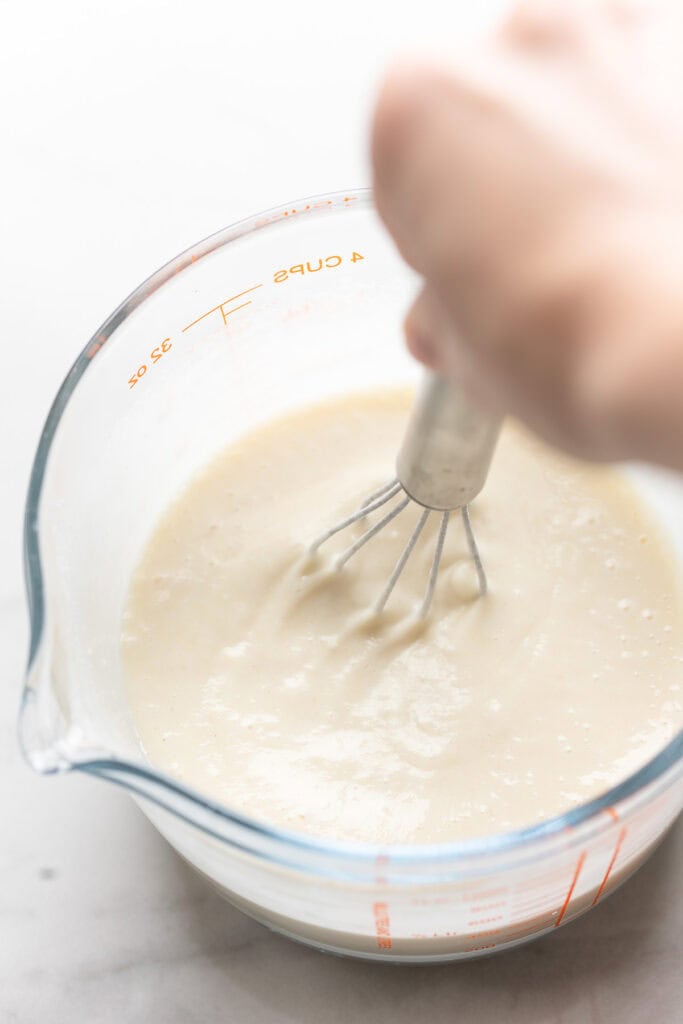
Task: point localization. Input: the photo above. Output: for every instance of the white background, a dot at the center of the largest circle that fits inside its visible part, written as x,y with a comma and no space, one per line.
128,131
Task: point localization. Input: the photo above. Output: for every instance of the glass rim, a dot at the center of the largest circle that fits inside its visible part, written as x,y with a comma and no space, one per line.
134,775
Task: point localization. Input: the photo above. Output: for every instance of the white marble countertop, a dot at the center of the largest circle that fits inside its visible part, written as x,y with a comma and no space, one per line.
133,130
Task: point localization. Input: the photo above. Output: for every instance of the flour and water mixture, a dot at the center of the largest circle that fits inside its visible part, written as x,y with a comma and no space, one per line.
259,677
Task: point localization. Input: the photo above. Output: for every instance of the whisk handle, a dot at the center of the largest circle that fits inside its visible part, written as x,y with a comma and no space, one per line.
448,446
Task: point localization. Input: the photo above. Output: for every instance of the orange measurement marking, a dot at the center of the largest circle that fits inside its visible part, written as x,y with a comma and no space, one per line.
612,813
620,839
484,920
577,871
220,308
487,907
380,912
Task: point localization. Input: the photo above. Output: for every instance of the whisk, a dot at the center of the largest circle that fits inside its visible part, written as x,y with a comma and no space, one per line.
442,466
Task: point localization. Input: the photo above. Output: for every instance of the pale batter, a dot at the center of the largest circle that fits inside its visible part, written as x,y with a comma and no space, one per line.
259,679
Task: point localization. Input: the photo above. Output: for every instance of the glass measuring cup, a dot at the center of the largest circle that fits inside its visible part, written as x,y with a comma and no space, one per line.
285,308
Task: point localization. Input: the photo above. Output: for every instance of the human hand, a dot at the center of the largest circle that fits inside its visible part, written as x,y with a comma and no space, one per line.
537,185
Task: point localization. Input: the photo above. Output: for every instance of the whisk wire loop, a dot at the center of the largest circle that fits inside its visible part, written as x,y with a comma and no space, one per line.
372,506
377,500
379,492
474,550
436,562
369,534
404,556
